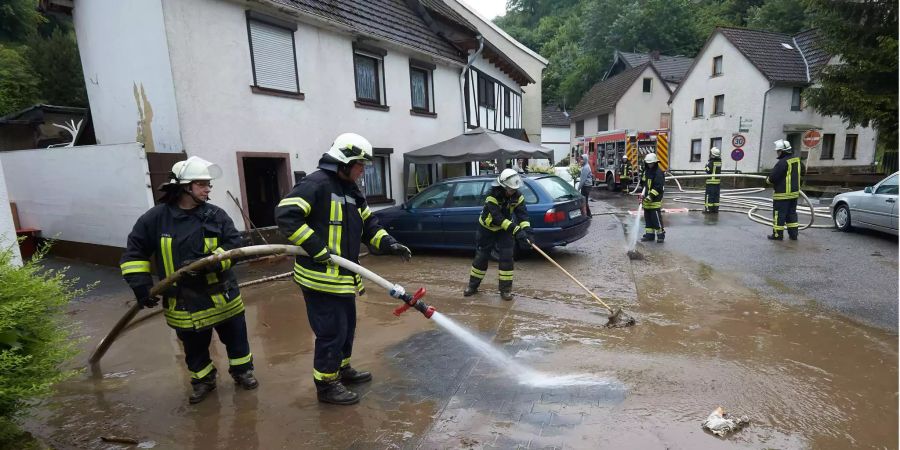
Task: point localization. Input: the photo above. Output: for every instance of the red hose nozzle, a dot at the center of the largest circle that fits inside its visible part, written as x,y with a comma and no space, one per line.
413,301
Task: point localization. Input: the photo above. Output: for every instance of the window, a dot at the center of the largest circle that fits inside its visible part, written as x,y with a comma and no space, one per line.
850,146
470,193
376,179
715,142
272,54
719,105
717,66
603,122
579,128
827,146
485,92
698,108
796,99
794,139
696,152
664,119
647,83
507,103
368,69
888,187
421,86
433,197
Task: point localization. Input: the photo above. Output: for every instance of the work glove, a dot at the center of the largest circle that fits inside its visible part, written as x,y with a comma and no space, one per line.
324,258
399,249
143,297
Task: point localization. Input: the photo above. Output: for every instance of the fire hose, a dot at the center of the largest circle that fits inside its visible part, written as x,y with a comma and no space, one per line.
394,290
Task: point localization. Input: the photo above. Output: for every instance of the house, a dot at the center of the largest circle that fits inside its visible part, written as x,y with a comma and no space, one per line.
671,68
555,131
635,99
746,87
263,87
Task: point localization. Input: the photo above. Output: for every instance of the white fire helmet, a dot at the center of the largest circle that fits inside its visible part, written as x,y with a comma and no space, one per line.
715,152
194,168
782,145
350,147
651,158
510,179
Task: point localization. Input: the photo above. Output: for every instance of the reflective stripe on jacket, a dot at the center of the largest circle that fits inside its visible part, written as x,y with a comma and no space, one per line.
170,236
655,181
714,167
785,177
502,212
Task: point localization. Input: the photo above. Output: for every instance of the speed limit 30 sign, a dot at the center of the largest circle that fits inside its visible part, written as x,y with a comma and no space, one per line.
738,140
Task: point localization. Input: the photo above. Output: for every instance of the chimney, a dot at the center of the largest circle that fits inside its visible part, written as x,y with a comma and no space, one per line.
654,55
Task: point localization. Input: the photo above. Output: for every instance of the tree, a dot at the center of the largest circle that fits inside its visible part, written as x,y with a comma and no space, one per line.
55,59
18,18
783,16
18,82
861,84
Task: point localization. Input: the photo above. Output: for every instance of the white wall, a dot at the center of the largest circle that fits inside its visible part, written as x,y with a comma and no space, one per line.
639,110
220,115
494,119
779,115
7,226
89,194
556,138
123,45
743,86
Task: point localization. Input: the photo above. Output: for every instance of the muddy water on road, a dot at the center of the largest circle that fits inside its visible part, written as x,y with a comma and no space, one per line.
805,379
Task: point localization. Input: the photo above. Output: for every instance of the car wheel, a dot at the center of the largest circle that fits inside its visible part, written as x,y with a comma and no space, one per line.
611,182
842,217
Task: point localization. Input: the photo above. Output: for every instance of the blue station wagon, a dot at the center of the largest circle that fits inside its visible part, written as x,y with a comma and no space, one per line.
445,215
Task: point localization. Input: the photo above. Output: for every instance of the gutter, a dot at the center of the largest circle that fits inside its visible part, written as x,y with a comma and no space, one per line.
762,127
802,56
462,86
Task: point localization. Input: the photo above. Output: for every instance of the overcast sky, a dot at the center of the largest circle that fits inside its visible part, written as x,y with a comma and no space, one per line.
490,9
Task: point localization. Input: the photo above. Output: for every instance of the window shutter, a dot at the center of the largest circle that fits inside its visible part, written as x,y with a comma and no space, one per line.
273,57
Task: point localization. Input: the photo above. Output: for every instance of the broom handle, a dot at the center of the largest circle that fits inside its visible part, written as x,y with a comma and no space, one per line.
570,276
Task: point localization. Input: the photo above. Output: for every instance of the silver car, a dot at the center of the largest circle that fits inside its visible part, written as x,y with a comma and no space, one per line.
875,207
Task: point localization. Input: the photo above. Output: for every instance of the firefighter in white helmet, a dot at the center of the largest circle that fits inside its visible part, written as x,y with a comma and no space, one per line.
713,183
326,213
185,227
504,221
654,181
785,177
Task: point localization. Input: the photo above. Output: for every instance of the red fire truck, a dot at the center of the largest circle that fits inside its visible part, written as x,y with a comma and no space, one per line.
614,155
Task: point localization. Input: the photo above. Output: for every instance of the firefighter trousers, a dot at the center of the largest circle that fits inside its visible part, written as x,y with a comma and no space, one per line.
784,216
232,332
333,321
711,202
653,222
486,241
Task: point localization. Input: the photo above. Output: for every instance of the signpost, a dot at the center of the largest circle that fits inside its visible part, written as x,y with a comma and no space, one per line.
737,154
744,125
811,139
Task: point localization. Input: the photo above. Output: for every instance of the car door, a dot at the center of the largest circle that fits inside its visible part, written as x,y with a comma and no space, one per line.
876,207
423,226
461,215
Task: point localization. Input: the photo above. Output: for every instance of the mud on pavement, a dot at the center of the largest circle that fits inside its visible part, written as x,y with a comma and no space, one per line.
806,379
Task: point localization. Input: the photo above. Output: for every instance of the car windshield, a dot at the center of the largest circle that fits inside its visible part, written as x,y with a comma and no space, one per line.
557,188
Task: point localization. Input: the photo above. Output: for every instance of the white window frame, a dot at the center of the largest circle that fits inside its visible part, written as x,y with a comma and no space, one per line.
259,22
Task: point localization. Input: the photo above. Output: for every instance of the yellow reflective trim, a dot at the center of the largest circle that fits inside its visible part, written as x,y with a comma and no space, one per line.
210,244
345,362
323,276
491,199
506,223
212,278
165,244
137,266
322,376
654,192
376,240
239,361
321,287
301,235
206,370
519,201
321,252
296,201
365,213
477,273
220,317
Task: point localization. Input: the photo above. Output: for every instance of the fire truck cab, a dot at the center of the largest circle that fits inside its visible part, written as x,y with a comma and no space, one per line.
615,155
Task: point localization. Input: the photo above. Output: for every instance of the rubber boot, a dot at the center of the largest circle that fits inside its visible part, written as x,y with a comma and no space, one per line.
506,295
334,392
775,237
660,237
648,237
471,289
792,234
349,375
246,380
201,389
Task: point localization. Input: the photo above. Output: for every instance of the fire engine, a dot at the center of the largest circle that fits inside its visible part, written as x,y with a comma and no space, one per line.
615,155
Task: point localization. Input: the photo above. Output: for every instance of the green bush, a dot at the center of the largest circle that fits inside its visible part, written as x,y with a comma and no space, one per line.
533,168
575,171
35,338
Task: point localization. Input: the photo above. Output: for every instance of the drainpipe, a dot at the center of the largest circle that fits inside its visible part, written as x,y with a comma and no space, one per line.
462,86
762,127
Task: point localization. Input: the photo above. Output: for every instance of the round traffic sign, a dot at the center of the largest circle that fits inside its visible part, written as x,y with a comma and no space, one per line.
737,154
738,140
811,138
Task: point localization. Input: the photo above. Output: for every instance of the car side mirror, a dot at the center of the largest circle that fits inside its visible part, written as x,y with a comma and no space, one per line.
868,190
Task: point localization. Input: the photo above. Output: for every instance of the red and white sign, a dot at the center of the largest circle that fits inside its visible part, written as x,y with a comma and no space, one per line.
738,140
811,138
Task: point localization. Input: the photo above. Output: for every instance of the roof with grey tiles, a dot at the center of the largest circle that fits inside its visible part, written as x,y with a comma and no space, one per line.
392,20
553,116
604,95
774,54
671,68
810,43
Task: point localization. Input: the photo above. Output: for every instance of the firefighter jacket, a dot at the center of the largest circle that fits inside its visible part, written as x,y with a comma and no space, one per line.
654,180
171,236
785,176
714,167
502,212
324,211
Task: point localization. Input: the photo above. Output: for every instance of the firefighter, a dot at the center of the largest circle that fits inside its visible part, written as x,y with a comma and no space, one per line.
325,213
587,180
626,173
713,183
785,177
504,221
654,181
185,227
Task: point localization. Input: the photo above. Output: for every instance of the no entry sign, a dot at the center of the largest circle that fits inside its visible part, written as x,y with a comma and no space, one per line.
811,138
737,154
738,140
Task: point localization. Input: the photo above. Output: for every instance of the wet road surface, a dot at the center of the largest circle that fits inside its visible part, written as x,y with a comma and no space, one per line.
806,377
